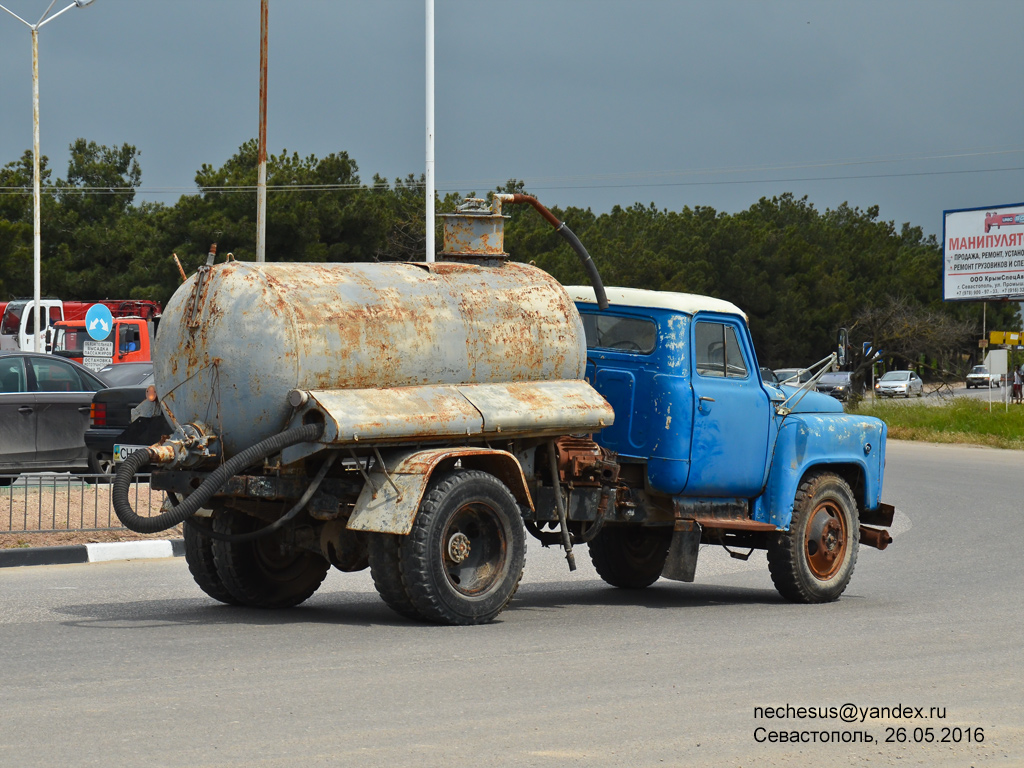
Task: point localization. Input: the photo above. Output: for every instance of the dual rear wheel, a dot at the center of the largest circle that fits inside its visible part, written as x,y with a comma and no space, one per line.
262,573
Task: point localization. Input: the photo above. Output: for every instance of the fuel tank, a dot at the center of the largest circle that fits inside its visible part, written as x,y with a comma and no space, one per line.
237,337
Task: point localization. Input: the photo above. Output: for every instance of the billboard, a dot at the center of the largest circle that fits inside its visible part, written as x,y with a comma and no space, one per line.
983,253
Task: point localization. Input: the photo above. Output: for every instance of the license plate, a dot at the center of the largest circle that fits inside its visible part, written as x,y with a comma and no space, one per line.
122,452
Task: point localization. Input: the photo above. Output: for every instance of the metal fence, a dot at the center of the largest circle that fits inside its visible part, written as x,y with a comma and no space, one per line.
49,503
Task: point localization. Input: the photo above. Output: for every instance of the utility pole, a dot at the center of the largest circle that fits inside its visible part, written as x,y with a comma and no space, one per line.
261,174
430,131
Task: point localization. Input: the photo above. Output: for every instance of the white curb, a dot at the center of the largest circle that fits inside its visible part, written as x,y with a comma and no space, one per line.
128,550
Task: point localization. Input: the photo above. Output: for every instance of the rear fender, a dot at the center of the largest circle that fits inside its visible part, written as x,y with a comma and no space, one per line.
383,509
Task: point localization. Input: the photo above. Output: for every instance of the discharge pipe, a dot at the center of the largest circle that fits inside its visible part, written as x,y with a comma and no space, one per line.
570,237
213,483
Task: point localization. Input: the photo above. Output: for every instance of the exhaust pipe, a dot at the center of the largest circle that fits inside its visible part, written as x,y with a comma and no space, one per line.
875,537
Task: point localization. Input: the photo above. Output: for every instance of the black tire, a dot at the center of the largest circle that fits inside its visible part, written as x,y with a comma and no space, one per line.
814,560
262,573
201,564
387,574
463,559
630,557
104,467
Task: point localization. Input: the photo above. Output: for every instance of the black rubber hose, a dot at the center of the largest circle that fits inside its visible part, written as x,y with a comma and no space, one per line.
588,264
216,480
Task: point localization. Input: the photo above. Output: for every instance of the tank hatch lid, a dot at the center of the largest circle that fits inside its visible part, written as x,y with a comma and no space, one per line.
448,411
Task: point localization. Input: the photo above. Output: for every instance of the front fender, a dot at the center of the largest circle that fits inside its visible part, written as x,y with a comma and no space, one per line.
807,441
386,508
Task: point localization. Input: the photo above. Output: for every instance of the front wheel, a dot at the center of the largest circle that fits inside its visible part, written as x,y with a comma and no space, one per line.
462,561
814,560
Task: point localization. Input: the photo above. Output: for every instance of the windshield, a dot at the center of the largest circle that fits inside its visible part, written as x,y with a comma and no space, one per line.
896,376
128,374
12,318
835,378
802,374
979,369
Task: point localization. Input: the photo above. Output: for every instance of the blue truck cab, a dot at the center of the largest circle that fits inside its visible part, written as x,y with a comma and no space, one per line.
706,445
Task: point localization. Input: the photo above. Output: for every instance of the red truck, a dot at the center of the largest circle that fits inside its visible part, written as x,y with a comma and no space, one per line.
17,324
129,341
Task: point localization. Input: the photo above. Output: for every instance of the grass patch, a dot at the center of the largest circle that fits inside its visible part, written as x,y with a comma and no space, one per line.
963,420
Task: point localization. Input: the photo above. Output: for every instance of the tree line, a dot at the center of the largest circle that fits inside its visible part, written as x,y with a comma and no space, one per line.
799,273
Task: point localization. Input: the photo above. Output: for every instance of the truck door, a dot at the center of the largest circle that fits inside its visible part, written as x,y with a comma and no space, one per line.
729,449
52,312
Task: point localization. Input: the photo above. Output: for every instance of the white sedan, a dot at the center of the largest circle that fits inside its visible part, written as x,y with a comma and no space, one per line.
895,383
980,377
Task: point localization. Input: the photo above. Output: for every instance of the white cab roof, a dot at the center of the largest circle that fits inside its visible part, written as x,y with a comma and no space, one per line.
637,297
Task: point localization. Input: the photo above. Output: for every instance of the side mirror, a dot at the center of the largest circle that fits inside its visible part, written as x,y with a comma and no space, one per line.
842,342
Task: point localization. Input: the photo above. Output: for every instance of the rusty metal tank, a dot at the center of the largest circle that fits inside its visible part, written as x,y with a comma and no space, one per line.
237,337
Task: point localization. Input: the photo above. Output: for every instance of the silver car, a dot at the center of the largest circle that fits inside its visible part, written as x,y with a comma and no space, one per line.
894,383
44,412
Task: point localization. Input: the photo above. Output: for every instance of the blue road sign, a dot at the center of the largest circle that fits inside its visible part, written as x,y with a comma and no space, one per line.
99,321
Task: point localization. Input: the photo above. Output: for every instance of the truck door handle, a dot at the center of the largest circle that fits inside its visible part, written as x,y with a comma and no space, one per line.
700,404
84,408
25,409
708,399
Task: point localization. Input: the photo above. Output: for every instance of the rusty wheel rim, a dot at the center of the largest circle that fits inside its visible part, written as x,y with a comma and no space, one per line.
474,549
825,540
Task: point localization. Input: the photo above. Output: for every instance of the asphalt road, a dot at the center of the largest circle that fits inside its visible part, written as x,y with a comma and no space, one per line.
129,664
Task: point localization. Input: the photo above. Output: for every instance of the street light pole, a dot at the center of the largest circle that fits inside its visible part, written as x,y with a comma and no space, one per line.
37,242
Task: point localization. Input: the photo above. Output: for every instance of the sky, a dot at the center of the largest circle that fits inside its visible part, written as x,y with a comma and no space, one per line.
914,106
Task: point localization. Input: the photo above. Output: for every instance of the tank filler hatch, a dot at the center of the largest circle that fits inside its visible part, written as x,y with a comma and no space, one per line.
475,233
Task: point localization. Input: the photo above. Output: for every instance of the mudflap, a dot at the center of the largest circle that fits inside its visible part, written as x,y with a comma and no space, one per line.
681,563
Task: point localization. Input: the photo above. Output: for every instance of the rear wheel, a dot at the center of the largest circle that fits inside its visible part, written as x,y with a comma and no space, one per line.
201,564
266,572
814,560
630,557
387,574
105,468
464,557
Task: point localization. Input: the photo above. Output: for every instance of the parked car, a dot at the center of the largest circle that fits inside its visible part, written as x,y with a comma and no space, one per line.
768,376
980,377
895,383
838,384
793,376
44,411
117,427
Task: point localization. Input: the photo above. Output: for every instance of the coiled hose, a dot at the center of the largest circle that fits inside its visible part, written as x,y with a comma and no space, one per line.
216,480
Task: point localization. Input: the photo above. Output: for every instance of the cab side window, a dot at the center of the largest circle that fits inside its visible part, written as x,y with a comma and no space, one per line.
717,351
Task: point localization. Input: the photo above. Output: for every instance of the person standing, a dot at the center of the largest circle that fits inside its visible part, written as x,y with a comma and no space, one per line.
1017,380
